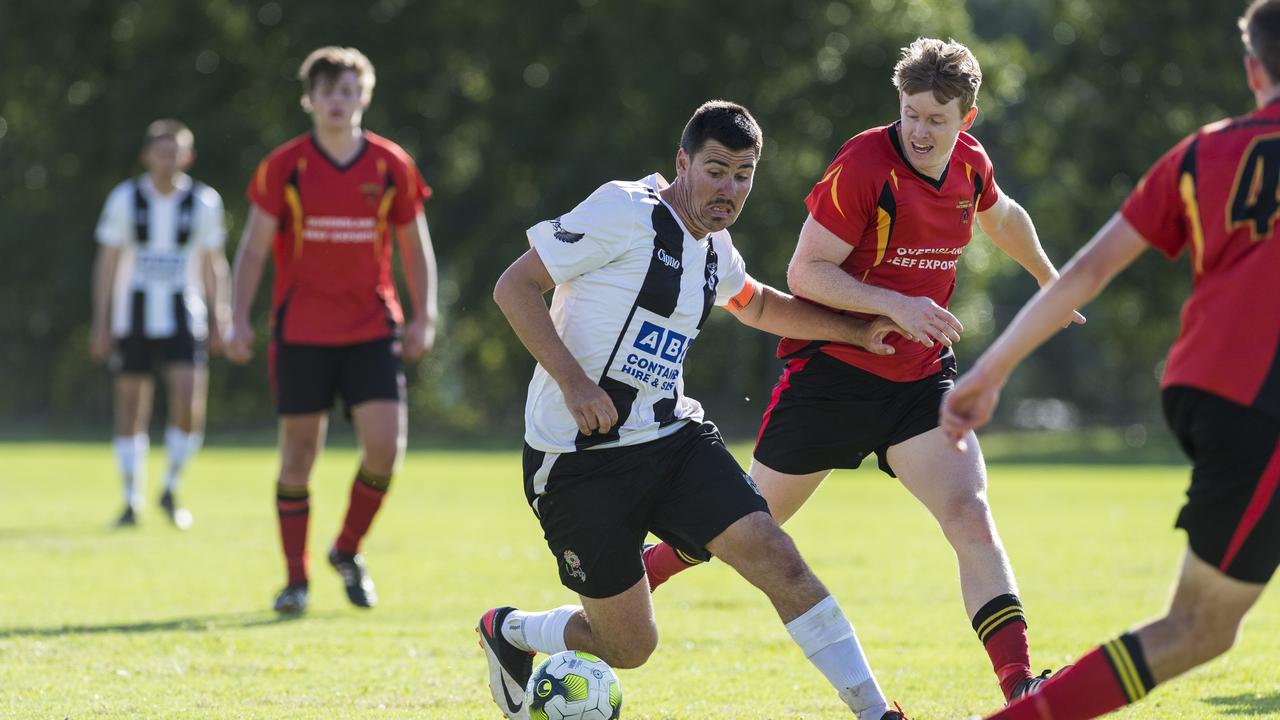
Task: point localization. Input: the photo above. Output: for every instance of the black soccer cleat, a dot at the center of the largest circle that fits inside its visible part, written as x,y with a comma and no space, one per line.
509,666
178,515
292,600
128,518
355,576
895,714
1031,685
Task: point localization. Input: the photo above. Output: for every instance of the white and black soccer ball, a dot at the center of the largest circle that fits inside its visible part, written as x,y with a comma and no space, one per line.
574,686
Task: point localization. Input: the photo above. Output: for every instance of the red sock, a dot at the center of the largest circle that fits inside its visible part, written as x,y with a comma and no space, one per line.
294,512
661,561
1002,628
1109,677
367,492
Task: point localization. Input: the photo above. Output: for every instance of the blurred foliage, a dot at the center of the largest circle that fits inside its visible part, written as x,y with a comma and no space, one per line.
515,111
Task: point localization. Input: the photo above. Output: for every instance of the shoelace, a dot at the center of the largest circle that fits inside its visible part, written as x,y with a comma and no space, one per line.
898,707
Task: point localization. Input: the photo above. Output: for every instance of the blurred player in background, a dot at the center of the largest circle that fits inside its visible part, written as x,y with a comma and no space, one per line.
327,204
1214,196
887,224
159,303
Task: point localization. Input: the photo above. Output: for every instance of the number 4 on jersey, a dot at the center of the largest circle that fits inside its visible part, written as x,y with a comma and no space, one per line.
1254,199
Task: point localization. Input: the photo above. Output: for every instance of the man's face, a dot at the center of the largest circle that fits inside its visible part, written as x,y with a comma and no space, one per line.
719,181
930,129
336,103
166,157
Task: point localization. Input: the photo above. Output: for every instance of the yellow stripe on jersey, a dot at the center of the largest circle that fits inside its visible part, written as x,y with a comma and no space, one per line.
893,175
883,223
1187,188
834,176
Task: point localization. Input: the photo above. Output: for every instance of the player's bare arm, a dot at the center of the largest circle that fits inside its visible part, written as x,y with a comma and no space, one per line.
1009,226
214,271
251,258
815,273
419,260
104,276
972,402
519,293
765,308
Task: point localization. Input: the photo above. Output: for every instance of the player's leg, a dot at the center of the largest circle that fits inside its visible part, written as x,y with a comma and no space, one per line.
133,395
952,485
187,384
371,380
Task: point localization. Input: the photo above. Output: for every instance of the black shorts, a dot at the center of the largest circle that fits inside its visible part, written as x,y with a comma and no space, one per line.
827,414
305,378
141,354
596,506
1232,515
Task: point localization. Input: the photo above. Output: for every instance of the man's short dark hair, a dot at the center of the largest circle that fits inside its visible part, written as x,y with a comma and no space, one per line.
729,124
168,129
1260,31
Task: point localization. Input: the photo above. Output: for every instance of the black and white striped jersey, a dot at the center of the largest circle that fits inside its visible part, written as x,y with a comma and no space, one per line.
158,288
633,289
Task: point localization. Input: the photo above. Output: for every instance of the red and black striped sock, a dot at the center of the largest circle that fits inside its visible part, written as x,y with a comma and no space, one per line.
1002,628
293,507
367,492
1109,677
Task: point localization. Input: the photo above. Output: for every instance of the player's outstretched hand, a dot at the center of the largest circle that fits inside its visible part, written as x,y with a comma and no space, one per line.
99,343
876,332
419,338
926,322
239,343
968,406
590,406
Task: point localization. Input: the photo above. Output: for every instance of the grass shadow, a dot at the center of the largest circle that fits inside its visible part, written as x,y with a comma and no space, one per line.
1253,704
195,624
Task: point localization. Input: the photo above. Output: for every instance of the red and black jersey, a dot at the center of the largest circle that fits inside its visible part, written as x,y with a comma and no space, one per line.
907,231
333,283
1217,194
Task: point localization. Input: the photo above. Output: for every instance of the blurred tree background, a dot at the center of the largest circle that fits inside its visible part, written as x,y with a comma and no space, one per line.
516,111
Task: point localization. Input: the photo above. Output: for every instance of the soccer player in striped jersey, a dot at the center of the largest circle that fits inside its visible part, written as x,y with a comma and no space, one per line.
159,303
887,225
614,448
327,203
1214,196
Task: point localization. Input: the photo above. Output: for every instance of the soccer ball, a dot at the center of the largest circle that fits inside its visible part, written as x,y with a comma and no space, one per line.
574,686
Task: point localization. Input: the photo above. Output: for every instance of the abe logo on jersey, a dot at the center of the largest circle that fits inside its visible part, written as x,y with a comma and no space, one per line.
661,342
563,235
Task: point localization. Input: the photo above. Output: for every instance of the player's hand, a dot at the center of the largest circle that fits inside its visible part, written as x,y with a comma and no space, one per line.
239,343
875,332
590,406
215,344
419,338
926,322
968,406
99,343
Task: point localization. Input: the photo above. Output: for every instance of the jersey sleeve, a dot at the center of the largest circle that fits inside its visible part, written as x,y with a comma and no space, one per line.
1155,208
843,200
411,191
732,270
588,237
211,225
985,173
114,225
266,189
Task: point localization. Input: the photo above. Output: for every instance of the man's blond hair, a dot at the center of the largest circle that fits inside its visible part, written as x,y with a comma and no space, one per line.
330,62
946,68
169,129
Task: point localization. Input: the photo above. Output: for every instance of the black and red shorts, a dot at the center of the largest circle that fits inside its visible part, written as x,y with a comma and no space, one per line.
826,414
306,378
1232,515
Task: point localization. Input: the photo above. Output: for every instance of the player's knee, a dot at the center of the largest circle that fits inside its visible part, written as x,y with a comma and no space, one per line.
297,457
968,517
1204,633
633,649
381,457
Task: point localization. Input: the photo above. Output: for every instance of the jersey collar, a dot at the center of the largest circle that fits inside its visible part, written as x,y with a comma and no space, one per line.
340,167
893,131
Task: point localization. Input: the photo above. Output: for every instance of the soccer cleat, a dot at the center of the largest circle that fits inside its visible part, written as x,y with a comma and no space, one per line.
179,516
1031,685
509,666
292,600
355,576
895,714
128,518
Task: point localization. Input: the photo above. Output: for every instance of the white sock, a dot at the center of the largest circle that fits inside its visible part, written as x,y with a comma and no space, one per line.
539,631
127,459
179,446
828,640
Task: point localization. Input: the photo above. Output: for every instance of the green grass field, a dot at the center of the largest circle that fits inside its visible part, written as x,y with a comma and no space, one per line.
153,623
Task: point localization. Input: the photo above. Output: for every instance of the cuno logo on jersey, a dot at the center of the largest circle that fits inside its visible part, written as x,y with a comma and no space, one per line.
661,342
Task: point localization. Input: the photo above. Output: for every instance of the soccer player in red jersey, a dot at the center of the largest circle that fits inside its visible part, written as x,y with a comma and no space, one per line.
1214,196
326,203
887,224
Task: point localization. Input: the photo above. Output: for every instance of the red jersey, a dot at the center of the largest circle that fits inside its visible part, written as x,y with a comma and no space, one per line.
1216,194
333,283
907,231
